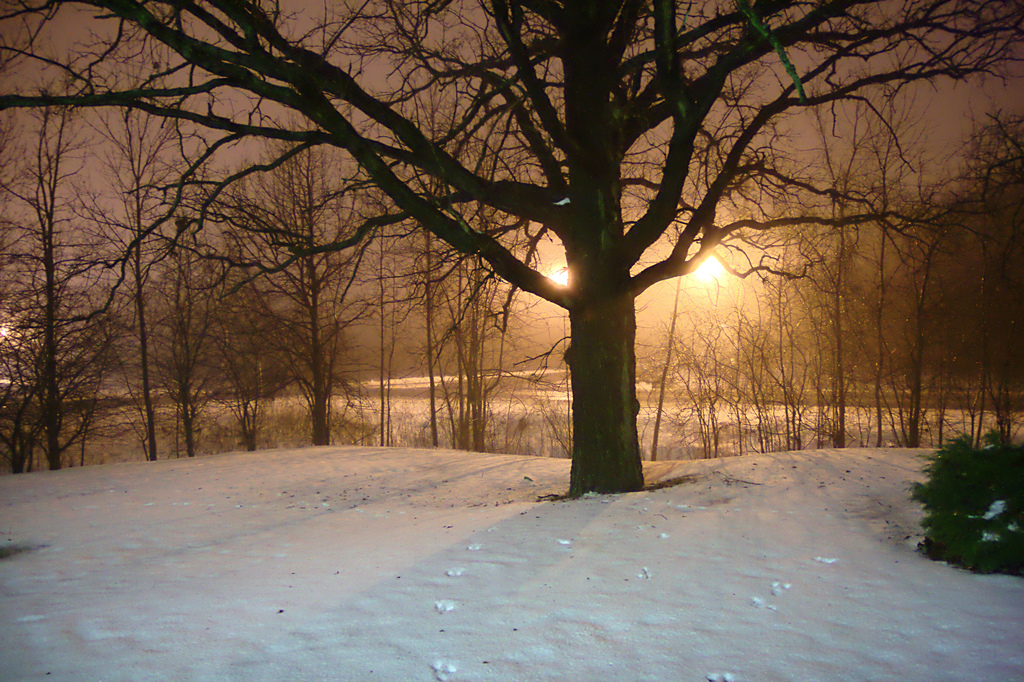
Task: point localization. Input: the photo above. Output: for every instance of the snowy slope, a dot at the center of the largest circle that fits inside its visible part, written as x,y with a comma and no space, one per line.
370,564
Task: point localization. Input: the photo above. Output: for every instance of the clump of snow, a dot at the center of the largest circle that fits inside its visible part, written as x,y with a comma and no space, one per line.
444,606
995,509
443,670
413,573
721,677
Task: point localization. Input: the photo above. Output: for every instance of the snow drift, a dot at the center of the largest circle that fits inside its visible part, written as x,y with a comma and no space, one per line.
375,564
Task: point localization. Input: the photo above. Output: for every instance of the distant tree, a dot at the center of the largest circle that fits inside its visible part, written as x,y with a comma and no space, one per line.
284,223
472,352
187,308
250,370
429,281
391,308
57,351
627,129
666,367
702,375
989,287
138,167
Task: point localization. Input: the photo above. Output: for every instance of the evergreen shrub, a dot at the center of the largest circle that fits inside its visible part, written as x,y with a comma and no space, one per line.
974,505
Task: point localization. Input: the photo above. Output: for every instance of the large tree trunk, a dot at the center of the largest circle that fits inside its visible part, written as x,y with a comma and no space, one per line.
602,363
602,355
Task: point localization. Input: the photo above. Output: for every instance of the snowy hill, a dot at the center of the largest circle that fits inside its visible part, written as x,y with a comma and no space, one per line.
371,564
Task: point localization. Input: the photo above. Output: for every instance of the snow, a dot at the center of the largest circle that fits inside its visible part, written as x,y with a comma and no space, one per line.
372,564
995,509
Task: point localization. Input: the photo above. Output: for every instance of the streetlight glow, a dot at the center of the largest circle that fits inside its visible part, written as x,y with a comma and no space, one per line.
560,276
711,269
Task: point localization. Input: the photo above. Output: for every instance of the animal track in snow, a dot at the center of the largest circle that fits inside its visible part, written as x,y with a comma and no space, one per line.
778,588
644,573
721,677
442,669
444,606
762,604
564,542
473,548
455,572
825,560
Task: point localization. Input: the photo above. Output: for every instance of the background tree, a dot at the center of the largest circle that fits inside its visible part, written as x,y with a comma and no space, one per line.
138,166
472,351
58,352
288,220
250,369
187,309
632,124
986,287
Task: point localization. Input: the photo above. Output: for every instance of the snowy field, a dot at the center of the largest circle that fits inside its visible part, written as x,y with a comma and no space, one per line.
369,564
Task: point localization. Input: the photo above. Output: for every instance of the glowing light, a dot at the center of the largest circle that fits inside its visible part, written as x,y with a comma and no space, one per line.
709,270
560,276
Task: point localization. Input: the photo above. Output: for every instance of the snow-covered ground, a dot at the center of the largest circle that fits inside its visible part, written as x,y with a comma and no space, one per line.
371,564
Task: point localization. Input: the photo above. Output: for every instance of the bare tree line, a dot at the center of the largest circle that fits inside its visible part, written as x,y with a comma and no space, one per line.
906,323
637,136
95,343
910,325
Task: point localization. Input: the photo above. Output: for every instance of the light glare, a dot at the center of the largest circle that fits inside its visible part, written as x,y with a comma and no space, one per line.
709,270
560,276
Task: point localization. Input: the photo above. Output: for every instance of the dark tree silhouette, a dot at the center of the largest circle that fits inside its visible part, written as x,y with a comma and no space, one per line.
54,354
640,133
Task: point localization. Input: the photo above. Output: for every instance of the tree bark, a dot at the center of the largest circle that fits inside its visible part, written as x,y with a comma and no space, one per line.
602,364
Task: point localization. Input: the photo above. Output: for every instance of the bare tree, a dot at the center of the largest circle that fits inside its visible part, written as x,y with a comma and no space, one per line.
628,126
59,352
475,339
670,344
986,280
187,310
287,220
139,164
250,370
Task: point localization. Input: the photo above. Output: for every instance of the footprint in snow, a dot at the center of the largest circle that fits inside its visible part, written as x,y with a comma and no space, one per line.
721,677
443,669
444,606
